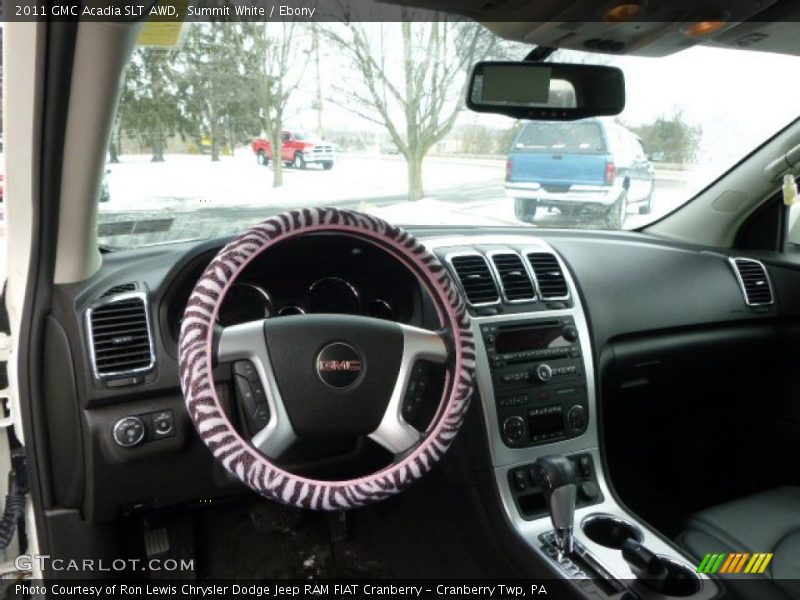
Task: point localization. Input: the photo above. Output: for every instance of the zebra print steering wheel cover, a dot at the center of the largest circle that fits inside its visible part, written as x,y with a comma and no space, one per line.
242,459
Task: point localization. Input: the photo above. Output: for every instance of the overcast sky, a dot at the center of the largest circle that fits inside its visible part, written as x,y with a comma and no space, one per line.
739,97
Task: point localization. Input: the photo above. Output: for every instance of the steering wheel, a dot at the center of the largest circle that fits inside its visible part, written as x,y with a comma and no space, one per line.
326,374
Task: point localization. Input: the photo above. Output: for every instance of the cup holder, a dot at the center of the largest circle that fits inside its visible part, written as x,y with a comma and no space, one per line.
610,531
680,581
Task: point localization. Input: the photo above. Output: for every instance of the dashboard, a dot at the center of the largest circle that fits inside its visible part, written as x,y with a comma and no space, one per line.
608,296
567,325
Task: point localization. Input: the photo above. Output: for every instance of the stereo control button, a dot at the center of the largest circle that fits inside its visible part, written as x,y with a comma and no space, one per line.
513,429
570,333
576,417
544,372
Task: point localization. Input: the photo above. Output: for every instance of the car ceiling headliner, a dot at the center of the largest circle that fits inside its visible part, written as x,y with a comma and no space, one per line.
762,25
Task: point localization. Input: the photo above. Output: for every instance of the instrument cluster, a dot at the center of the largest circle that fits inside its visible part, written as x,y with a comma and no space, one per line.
309,275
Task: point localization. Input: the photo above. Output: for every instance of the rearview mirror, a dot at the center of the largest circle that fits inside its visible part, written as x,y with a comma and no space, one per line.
546,91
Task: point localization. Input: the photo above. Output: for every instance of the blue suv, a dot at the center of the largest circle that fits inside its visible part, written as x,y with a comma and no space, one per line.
593,166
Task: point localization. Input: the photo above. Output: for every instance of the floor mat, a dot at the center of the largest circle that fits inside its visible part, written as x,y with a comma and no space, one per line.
414,535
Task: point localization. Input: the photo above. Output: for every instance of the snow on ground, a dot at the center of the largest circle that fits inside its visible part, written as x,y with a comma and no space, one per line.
184,181
429,211
190,197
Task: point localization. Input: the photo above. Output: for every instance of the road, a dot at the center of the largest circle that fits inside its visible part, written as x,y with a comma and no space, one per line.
191,197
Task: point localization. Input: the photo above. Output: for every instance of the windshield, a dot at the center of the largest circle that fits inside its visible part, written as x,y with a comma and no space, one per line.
240,121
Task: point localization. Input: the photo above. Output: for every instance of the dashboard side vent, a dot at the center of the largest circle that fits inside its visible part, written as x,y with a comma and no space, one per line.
515,282
549,276
119,289
754,281
120,340
476,279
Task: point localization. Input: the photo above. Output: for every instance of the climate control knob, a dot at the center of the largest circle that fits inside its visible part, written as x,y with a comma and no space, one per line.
544,372
576,417
513,429
129,431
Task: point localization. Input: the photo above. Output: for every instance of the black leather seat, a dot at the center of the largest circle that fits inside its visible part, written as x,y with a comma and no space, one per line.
765,522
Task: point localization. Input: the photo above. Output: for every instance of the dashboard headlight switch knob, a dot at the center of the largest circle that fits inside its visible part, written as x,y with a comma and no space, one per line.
544,372
129,431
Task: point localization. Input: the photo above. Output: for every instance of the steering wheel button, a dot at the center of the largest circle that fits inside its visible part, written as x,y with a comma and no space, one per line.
245,393
260,417
244,367
420,370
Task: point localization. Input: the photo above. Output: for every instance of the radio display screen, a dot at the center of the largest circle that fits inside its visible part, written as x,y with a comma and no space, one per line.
530,338
546,423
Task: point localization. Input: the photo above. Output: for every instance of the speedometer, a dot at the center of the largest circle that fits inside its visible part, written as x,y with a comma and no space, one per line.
333,295
244,302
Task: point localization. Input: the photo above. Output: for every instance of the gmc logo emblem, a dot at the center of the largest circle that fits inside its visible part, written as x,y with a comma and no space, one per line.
339,365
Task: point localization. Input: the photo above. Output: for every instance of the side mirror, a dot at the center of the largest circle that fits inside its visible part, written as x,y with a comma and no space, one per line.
546,91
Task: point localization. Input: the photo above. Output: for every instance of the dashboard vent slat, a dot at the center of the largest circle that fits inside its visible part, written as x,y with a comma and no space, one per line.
549,276
514,279
754,282
476,279
121,342
122,288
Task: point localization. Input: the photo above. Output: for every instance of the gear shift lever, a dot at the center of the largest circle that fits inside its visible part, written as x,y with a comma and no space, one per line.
555,475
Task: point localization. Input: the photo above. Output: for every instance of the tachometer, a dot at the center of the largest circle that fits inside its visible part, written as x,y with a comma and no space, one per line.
244,302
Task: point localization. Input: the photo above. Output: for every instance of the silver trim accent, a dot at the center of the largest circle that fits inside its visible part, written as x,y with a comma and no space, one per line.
140,295
732,261
562,516
300,310
246,341
493,267
532,271
449,260
394,433
120,441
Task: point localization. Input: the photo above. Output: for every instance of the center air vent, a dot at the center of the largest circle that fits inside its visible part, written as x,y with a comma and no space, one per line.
549,276
119,336
476,278
514,279
119,289
754,281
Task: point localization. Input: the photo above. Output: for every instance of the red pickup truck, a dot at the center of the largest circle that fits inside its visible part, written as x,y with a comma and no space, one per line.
298,149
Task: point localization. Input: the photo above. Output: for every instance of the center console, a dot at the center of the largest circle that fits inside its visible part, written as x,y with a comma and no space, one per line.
537,388
538,378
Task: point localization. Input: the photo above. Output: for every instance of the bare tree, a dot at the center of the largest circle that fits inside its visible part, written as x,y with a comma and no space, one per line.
279,53
412,80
